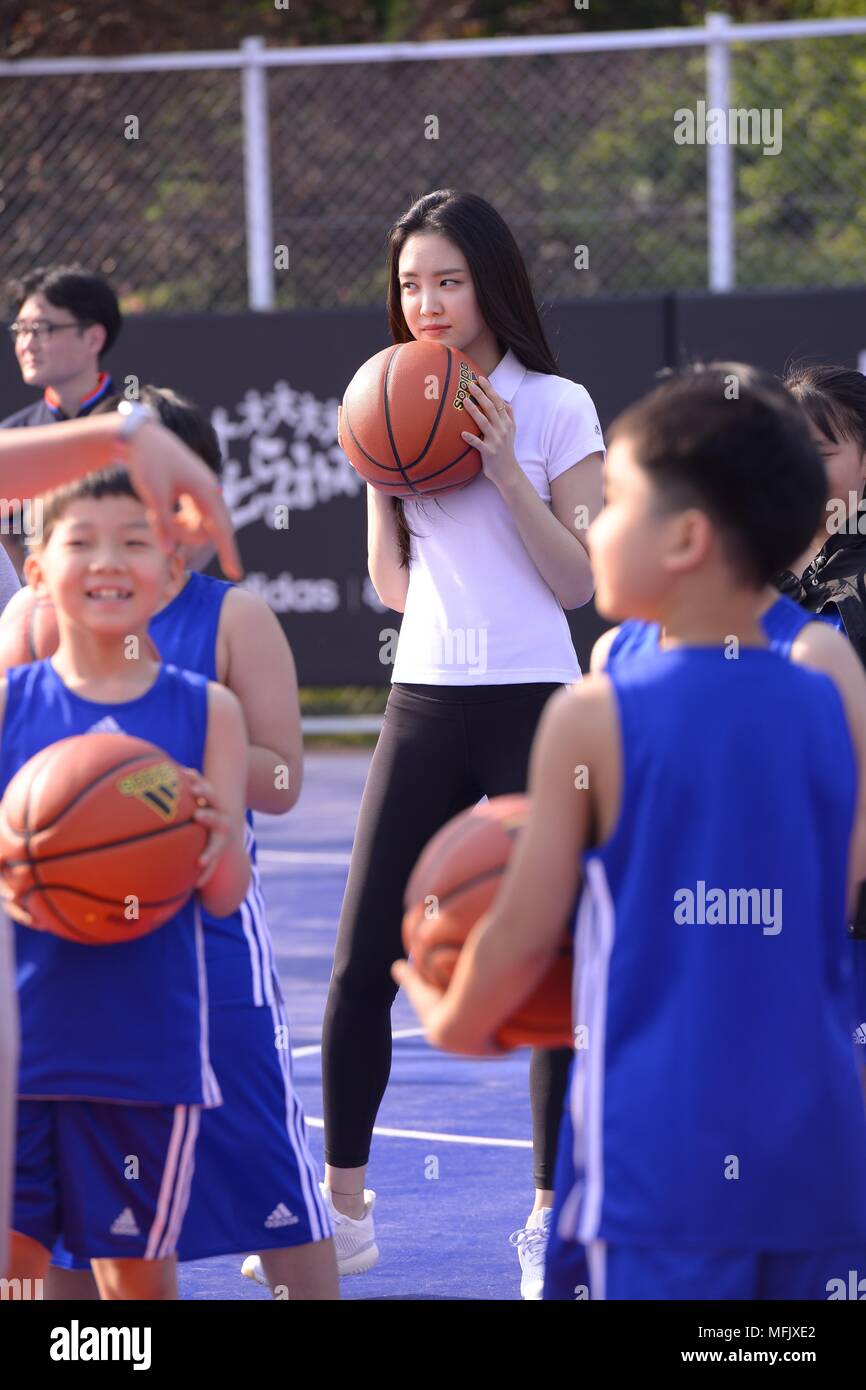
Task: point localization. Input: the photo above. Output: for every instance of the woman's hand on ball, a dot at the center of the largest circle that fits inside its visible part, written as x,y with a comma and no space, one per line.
495,418
213,817
426,999
433,1007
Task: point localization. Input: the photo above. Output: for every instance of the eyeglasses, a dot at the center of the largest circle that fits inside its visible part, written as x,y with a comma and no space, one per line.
41,328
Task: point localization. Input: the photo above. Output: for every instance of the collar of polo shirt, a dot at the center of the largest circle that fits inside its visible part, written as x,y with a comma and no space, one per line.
507,376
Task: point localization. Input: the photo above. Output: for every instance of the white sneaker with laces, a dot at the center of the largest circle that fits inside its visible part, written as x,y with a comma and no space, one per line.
531,1245
354,1241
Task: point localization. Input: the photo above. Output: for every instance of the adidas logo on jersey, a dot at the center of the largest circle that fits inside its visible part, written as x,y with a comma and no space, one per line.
281,1216
108,725
860,1033
125,1224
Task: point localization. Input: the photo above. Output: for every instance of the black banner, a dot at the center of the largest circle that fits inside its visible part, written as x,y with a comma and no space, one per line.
272,382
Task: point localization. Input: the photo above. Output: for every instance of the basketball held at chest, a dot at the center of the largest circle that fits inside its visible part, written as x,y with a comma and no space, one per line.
452,886
402,417
97,839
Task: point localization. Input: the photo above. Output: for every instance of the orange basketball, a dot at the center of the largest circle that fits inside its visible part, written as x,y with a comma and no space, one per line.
402,416
28,631
453,884
97,840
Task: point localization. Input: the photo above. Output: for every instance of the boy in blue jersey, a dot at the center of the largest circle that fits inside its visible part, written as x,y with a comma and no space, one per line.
114,1061
164,470
798,635
255,1185
719,836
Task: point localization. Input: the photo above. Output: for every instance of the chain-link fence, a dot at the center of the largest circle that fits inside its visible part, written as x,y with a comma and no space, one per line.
139,175
156,171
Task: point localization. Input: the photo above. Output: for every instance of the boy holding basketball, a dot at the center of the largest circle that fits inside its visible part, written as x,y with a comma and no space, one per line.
255,1185
718,836
114,1063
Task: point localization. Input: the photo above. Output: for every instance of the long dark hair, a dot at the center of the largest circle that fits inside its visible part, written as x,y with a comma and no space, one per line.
499,276
833,397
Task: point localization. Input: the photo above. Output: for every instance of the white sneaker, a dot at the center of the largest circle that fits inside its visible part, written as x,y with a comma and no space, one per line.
354,1241
252,1269
531,1245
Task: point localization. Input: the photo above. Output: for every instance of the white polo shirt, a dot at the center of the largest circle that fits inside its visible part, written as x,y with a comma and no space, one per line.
477,610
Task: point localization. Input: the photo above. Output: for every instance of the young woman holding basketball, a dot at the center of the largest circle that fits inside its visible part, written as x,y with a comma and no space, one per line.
483,573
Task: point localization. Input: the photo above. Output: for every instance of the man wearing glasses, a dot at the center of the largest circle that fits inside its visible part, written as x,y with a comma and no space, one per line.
66,319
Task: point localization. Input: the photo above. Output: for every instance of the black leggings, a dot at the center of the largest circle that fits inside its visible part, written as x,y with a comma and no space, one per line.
442,747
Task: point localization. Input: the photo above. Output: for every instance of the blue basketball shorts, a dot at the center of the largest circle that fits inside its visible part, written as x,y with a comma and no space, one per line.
597,1270
111,1180
255,1185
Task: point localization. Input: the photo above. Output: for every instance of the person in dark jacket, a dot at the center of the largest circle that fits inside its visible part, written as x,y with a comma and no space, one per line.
65,319
829,579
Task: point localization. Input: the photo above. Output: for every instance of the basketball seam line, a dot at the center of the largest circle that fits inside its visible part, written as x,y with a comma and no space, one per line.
432,432
95,897
401,468
94,849
118,767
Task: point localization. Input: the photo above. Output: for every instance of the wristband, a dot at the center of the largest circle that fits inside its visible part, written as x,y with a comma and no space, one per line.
133,415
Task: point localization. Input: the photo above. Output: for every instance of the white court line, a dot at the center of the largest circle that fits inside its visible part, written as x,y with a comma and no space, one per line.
301,856
417,1133
442,1138
317,1047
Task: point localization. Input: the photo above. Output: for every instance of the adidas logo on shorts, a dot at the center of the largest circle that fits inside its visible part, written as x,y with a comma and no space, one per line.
281,1216
125,1224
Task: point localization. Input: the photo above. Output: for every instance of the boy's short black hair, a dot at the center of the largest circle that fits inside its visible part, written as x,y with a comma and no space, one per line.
177,413
88,297
108,482
729,439
180,415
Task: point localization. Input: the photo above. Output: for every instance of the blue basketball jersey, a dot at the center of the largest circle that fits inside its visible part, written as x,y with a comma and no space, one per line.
238,948
710,948
782,623
126,1022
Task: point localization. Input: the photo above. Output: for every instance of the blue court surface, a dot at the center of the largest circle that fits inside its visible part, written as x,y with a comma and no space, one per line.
451,1162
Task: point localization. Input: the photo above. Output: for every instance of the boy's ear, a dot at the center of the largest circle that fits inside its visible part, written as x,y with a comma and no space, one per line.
33,572
176,568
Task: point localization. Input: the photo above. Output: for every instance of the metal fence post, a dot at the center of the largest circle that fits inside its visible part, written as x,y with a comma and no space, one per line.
720,160
257,179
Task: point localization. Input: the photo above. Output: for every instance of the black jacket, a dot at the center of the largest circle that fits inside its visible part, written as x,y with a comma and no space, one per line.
41,413
835,581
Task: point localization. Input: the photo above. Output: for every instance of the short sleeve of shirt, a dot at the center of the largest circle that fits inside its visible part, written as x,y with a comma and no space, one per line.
574,430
